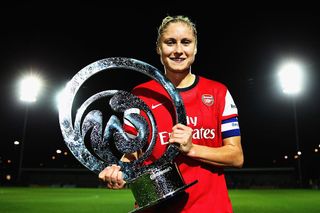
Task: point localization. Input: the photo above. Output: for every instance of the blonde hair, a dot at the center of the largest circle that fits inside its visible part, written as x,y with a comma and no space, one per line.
175,19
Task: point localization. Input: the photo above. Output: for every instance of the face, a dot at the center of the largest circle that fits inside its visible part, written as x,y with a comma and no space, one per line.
177,48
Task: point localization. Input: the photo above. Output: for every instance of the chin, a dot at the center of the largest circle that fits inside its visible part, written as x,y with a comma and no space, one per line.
179,70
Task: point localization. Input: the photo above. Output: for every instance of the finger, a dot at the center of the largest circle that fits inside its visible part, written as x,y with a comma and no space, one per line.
178,131
107,173
178,126
180,141
180,135
112,186
104,173
121,182
101,175
114,175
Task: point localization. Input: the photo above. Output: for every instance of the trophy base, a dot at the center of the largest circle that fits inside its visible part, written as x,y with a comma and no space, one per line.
163,199
157,185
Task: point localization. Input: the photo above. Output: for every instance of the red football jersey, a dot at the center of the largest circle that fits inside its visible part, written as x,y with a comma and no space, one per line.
207,104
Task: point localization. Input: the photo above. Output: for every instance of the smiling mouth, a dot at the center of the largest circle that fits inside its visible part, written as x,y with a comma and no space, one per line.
177,59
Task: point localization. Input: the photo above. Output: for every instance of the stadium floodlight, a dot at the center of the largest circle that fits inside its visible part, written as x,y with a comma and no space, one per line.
29,88
291,77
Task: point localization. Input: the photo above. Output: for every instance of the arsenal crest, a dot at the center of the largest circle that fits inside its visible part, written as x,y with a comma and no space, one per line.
207,99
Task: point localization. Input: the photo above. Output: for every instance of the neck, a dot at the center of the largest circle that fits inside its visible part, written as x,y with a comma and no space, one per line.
181,80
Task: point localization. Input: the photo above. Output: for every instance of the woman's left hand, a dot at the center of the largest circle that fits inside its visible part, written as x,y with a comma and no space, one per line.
182,135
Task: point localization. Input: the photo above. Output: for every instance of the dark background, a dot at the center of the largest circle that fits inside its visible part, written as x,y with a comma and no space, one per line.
238,45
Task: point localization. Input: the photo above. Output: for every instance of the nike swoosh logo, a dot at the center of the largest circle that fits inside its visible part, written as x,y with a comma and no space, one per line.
155,106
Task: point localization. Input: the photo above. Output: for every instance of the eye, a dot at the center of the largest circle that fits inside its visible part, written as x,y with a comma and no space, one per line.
186,41
170,42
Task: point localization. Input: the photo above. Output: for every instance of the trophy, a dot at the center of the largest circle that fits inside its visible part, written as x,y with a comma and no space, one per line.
150,184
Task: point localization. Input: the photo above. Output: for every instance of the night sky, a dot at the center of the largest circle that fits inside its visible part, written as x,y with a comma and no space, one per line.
237,46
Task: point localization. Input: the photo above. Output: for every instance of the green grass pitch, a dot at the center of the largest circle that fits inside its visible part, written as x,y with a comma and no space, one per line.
78,200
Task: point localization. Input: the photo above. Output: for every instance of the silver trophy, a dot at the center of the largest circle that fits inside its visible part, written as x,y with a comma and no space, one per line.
150,184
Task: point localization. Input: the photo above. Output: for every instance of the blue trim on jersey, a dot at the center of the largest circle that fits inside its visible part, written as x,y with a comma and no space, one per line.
230,120
234,131
231,133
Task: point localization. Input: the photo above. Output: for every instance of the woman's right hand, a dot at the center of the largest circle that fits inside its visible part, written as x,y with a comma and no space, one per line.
113,177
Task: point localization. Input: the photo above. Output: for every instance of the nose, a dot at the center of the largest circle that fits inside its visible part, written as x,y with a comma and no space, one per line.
179,48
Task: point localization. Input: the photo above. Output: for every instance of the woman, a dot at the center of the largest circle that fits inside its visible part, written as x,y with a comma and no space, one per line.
211,138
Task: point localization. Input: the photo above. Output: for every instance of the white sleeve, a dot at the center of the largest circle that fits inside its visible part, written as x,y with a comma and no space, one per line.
230,107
